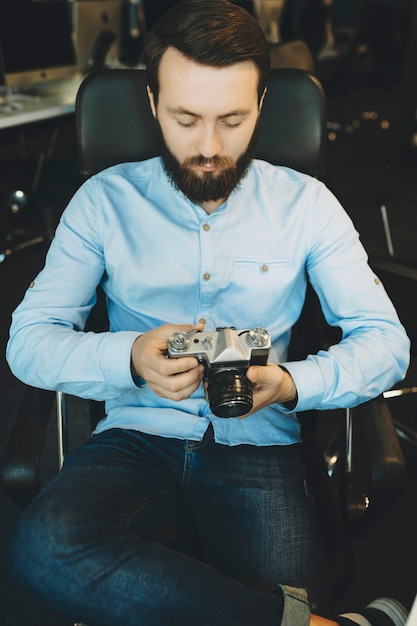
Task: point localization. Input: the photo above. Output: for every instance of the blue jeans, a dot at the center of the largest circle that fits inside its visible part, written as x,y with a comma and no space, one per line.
77,550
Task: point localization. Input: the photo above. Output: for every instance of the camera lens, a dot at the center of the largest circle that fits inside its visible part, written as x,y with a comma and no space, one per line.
229,392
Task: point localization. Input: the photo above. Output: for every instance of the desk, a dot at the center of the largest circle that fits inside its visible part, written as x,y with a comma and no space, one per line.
36,111
56,101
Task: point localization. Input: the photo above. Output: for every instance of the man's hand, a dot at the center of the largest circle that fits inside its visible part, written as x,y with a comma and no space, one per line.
175,379
271,384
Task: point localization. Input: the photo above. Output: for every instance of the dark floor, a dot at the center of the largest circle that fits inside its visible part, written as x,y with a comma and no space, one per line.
359,163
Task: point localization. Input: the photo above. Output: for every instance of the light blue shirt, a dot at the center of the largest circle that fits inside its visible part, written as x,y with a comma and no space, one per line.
162,258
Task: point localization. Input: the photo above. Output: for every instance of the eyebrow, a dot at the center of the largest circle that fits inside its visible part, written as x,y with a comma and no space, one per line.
182,111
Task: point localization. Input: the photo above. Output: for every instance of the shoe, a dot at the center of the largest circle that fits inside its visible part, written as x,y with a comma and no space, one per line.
380,612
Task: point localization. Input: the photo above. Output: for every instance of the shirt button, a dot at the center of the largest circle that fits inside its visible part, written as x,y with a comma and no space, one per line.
202,320
206,276
264,267
377,281
206,227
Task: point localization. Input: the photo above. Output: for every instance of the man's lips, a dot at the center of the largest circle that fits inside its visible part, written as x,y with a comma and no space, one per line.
207,167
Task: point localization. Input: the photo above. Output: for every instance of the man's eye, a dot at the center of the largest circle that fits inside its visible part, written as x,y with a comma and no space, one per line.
231,125
186,124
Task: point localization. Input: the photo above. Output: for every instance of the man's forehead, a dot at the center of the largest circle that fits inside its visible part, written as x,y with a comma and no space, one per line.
177,70
206,90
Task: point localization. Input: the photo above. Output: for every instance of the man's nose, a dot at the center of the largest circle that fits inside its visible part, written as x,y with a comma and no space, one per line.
209,143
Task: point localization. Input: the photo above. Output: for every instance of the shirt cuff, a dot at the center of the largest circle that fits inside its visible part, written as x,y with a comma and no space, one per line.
308,380
291,404
115,359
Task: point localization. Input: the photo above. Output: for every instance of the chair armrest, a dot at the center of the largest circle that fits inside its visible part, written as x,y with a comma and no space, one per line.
388,472
20,464
394,267
384,459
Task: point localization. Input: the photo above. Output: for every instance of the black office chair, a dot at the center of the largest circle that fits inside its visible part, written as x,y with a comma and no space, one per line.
114,124
397,267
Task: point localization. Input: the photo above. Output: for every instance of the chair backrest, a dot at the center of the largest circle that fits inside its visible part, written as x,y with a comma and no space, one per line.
115,123
292,54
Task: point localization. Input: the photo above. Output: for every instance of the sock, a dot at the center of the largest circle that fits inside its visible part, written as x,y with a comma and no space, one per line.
348,619
380,612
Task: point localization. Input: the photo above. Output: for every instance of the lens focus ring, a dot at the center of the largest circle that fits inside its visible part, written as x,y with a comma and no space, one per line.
229,392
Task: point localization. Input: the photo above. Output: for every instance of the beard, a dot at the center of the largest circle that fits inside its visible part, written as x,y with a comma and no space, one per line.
207,186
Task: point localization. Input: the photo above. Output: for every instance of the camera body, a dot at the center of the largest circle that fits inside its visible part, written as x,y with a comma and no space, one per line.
226,354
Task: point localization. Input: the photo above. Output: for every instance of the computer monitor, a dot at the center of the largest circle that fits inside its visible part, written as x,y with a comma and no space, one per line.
36,41
92,19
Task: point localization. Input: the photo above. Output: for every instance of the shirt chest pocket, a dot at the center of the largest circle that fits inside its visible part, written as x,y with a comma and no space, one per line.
263,290
249,273
262,282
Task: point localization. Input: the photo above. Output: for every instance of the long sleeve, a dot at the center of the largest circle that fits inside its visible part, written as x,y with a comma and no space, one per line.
48,347
373,353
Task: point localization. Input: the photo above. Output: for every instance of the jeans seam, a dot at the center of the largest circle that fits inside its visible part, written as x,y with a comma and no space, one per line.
188,456
138,509
190,448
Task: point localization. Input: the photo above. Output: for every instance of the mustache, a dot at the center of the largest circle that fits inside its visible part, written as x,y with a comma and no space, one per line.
216,161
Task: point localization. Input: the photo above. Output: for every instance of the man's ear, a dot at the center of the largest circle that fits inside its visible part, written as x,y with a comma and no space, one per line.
261,101
151,100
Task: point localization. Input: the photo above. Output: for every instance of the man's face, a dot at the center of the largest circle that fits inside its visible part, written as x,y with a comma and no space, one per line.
207,116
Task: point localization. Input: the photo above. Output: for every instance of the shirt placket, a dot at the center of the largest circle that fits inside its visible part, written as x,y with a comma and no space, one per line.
207,272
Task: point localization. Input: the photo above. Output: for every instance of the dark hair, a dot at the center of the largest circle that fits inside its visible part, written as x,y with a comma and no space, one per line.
210,32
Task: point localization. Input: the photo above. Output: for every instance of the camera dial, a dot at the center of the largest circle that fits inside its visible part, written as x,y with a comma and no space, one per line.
258,337
180,340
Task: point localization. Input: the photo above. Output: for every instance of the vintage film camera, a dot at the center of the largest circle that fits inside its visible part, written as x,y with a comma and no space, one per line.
226,354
